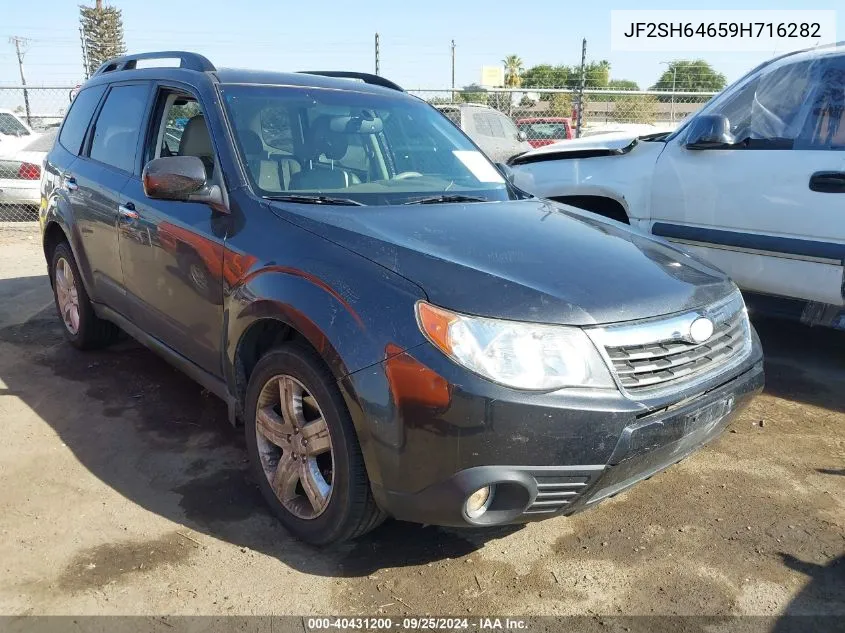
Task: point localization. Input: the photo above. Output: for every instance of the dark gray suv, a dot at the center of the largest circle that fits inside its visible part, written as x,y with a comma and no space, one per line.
399,329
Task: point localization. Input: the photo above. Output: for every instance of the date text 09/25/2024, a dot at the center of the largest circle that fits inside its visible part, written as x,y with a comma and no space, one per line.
416,623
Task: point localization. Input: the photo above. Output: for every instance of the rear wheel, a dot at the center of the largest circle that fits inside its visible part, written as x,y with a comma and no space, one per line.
304,451
82,327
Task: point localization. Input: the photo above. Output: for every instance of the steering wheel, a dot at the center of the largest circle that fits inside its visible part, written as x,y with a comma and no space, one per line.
407,174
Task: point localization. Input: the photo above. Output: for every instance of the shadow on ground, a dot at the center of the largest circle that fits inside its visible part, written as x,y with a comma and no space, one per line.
803,363
160,440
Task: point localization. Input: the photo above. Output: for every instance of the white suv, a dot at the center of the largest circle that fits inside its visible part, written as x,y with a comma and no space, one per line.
750,183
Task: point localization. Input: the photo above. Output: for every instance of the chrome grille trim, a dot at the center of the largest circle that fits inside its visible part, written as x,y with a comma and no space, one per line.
652,357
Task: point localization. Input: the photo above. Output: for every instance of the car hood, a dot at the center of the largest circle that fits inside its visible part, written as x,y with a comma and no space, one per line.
529,260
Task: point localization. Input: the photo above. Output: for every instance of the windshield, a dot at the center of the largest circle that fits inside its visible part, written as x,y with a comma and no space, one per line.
361,147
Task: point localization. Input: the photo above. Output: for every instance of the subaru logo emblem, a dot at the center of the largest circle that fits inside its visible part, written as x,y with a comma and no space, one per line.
700,330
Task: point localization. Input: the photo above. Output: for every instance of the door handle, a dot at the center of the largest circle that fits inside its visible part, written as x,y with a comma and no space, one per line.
69,183
828,182
128,211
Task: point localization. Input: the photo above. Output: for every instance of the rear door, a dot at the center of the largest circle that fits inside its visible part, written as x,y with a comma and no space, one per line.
769,212
95,179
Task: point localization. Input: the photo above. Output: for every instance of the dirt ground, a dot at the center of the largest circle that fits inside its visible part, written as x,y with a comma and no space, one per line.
125,491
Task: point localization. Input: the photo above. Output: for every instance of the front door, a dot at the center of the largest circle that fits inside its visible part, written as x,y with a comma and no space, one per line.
172,251
763,209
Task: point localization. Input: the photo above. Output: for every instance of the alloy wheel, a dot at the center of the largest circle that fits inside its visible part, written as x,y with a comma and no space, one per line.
295,446
67,295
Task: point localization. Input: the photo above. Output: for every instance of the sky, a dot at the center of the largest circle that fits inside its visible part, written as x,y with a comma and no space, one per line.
330,34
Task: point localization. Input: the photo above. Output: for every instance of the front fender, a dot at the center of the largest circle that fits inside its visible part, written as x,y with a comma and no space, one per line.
624,178
350,326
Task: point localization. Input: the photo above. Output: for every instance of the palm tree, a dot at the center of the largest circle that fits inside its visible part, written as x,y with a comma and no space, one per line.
513,71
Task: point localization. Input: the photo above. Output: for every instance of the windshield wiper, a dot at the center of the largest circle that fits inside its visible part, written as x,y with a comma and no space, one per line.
305,199
447,198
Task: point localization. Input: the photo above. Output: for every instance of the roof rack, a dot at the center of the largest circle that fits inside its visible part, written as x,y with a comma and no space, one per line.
347,74
191,61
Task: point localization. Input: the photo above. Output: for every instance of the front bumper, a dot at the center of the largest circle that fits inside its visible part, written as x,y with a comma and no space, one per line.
542,462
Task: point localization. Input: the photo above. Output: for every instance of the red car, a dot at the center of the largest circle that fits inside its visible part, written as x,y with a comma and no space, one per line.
546,130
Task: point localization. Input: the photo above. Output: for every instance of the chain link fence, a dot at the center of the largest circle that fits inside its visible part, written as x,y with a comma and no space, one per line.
550,115
30,117
29,120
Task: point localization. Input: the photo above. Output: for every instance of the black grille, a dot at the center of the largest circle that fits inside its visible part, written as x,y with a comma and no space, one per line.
554,493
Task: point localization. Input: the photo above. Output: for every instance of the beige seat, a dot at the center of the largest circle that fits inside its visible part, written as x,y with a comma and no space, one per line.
196,141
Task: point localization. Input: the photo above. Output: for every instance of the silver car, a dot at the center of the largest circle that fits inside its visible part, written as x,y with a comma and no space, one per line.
20,173
492,130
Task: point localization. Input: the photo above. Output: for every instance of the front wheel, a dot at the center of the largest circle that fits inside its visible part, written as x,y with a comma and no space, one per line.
304,451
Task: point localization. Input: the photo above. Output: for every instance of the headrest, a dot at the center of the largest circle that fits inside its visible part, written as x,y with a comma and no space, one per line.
326,141
195,139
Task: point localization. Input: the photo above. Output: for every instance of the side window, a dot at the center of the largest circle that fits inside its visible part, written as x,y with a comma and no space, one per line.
180,129
771,106
481,120
178,110
509,127
118,126
496,127
78,118
825,128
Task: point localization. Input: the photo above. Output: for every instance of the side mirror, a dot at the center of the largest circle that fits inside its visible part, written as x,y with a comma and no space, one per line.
709,131
181,178
522,136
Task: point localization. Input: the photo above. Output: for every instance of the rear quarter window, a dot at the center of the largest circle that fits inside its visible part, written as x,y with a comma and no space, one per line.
78,118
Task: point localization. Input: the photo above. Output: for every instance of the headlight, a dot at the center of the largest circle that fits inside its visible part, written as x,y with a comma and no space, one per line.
516,354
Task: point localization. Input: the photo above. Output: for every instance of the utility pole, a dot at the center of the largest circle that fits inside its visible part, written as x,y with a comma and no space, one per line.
86,63
581,88
22,42
453,70
377,55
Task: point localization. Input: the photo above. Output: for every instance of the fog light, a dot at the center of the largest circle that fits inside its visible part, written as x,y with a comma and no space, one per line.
478,502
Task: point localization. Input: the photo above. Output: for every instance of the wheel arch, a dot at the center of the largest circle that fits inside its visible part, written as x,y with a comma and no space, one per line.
58,226
268,329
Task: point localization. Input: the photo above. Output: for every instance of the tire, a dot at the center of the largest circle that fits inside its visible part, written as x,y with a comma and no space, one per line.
86,330
349,509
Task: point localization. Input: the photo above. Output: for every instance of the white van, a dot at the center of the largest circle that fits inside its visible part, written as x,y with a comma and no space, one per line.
754,183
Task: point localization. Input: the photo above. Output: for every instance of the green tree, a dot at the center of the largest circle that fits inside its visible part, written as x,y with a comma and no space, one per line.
622,84
690,76
634,109
473,93
546,76
513,71
560,104
596,74
102,28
